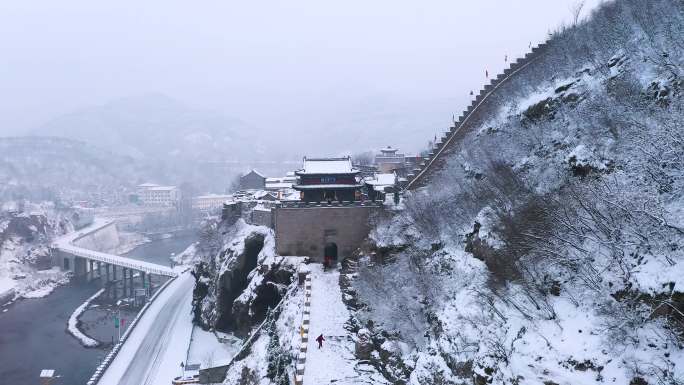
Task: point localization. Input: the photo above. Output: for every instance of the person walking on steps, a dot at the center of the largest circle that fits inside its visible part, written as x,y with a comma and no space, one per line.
320,340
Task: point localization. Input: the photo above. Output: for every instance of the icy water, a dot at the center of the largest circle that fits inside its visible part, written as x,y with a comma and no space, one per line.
159,251
33,332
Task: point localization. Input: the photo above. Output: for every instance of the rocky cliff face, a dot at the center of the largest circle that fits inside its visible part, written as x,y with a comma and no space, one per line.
238,277
25,258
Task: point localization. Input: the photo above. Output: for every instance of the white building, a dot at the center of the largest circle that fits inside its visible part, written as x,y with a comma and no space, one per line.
151,194
209,202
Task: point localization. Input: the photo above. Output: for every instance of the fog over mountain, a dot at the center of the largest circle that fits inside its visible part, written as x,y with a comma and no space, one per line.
166,78
154,125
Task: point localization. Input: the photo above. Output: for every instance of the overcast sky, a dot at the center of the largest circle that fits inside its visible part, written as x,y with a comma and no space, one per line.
262,61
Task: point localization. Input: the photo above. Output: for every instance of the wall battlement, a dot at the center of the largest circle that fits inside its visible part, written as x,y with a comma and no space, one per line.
418,177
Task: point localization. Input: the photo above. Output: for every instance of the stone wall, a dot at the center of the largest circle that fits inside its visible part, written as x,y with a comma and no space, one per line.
305,231
261,217
478,108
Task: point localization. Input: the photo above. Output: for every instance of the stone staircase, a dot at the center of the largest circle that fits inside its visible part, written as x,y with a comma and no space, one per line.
417,177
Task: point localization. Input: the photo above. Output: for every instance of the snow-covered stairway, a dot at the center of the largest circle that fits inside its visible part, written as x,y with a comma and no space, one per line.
335,362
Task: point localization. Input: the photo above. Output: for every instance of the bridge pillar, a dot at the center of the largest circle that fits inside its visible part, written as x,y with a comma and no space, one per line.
142,280
123,274
115,285
80,267
99,269
130,281
105,282
91,270
149,284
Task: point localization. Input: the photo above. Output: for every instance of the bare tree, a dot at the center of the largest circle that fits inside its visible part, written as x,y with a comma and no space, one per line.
576,10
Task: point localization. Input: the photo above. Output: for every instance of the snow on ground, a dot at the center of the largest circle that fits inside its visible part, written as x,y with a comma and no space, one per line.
206,349
335,361
18,280
159,343
72,324
187,256
6,286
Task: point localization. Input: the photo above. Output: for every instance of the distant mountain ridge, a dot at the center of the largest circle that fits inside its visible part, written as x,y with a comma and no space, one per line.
48,168
155,126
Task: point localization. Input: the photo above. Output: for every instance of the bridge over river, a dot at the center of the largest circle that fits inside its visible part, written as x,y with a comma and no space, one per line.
75,252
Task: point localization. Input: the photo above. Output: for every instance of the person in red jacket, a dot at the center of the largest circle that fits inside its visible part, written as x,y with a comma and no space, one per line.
320,340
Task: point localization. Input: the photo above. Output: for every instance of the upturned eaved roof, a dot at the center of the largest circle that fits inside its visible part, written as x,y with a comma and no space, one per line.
327,166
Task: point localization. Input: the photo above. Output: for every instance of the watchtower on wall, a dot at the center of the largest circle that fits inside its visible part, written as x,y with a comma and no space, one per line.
319,229
331,219
328,180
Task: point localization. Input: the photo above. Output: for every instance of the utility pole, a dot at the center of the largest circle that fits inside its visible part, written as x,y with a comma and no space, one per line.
117,324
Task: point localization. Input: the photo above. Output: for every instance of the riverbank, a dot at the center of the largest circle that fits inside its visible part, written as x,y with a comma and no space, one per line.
72,325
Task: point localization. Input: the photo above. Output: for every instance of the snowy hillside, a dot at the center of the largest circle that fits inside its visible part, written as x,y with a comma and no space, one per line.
25,260
549,248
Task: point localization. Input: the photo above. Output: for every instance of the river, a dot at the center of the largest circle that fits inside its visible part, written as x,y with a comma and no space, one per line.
33,331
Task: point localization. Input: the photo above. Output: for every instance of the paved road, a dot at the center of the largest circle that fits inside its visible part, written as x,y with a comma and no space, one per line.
156,347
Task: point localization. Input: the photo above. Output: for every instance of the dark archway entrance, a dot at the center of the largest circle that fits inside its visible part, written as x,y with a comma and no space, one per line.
329,195
330,250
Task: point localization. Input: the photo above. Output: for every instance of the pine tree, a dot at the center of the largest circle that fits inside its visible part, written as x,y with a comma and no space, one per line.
278,359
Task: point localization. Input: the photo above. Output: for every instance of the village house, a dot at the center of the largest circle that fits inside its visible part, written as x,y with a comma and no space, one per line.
379,185
253,180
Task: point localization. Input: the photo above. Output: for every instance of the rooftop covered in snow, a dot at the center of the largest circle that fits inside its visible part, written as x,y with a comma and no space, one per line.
329,166
384,179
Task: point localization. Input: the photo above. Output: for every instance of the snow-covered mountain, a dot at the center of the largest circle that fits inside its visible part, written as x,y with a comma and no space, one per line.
548,249
545,248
